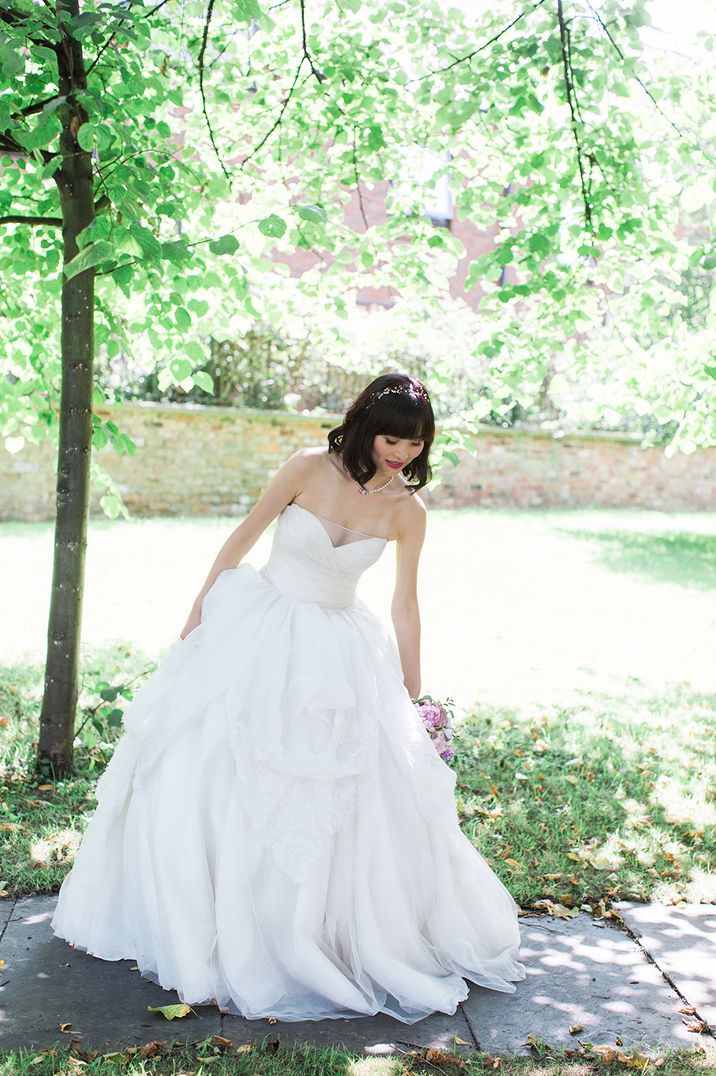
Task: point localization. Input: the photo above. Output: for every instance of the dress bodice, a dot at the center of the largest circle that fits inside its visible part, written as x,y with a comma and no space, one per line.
317,560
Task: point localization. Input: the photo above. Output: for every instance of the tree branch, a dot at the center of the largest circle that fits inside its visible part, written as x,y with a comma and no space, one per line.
306,54
17,219
277,122
481,48
645,88
111,37
37,106
202,52
155,8
56,222
575,126
357,179
14,18
9,145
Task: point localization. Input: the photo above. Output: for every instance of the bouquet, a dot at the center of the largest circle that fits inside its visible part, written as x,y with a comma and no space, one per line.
438,718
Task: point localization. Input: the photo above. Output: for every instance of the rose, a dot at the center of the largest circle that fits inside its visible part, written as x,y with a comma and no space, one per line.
437,719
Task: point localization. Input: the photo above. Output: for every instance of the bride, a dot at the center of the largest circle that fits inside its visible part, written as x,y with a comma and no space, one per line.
275,832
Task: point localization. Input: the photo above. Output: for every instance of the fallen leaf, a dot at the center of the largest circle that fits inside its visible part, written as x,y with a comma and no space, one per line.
172,1012
634,1061
221,1040
436,1056
607,1053
576,1028
698,1026
150,1049
560,911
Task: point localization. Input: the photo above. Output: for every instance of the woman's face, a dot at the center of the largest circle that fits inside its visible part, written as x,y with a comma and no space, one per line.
400,450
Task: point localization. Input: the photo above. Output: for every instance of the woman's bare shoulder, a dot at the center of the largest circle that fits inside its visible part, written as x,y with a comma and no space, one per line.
311,457
411,514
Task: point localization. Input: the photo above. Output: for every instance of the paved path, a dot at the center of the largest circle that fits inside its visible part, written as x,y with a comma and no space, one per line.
581,973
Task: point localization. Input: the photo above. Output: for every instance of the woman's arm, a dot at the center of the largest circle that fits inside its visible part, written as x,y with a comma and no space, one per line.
404,606
286,484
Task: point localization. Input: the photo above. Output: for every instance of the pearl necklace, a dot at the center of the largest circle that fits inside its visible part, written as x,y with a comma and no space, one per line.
376,489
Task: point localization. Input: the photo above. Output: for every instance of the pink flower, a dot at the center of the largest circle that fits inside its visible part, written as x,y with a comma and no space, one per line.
436,717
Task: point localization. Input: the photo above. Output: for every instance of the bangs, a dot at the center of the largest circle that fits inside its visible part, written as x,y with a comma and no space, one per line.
403,419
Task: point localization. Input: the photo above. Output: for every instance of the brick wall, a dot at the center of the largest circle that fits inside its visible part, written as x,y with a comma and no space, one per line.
199,461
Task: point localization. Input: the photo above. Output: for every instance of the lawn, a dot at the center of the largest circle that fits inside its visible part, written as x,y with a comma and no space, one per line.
271,1058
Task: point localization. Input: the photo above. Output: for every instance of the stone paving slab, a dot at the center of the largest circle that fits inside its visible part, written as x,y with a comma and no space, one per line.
46,982
584,972
6,907
682,942
579,971
49,983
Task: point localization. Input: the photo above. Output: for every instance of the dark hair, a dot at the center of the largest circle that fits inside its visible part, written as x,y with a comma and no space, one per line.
395,405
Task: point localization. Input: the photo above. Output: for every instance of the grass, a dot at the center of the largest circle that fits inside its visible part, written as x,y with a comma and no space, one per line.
271,1058
613,800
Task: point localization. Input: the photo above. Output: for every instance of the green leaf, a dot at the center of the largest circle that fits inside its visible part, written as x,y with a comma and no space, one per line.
87,136
315,213
183,318
375,137
473,275
11,62
710,370
171,1012
180,368
227,244
204,381
539,244
110,505
89,256
246,10
272,226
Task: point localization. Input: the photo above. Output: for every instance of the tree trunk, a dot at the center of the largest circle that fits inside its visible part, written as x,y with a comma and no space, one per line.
74,180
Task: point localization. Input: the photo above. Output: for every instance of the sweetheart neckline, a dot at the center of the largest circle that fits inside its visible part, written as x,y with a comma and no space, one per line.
366,538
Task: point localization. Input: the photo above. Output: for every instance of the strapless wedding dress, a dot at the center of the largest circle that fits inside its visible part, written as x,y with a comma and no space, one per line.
275,832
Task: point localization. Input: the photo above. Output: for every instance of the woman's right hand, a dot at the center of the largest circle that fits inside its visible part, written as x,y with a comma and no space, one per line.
193,621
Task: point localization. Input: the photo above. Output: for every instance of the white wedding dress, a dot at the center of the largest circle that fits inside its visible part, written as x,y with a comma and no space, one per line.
275,832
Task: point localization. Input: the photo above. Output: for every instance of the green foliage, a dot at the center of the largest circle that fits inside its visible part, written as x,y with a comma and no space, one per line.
601,271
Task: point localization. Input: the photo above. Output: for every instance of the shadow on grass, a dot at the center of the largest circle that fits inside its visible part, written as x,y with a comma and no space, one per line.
43,819
681,557
614,799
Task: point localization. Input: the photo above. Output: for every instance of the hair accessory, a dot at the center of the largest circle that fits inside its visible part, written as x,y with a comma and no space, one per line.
401,390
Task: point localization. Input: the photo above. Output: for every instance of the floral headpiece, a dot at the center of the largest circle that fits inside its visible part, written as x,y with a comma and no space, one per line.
401,390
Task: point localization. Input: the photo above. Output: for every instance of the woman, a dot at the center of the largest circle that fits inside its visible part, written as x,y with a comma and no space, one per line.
275,831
